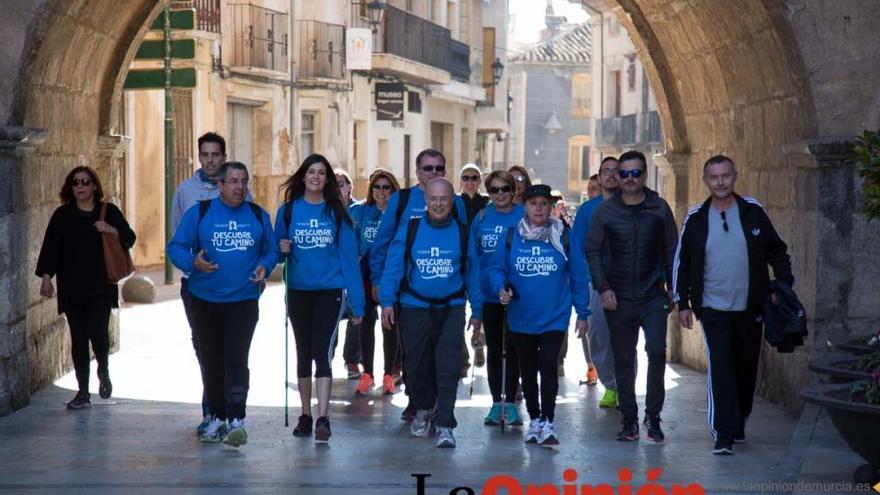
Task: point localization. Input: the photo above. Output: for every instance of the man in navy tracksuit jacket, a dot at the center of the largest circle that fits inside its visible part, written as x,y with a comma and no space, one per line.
720,275
425,268
228,250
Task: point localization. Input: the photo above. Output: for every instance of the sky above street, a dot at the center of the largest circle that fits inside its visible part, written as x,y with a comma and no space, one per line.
527,17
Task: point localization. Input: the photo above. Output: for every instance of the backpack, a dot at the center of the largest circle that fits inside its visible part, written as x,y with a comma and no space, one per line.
203,209
412,229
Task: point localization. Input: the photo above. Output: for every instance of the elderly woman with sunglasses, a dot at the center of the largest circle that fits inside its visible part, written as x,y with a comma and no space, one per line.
73,252
366,217
488,231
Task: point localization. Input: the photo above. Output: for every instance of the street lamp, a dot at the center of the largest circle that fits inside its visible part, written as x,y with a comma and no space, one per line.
497,71
375,8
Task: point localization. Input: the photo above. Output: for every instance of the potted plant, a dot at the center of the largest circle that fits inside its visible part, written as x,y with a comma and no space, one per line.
845,367
860,345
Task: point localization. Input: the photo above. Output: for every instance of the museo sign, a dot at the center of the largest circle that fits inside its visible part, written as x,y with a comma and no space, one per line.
389,101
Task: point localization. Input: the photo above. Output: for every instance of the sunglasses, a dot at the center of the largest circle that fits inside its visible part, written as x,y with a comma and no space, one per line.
470,178
519,178
502,189
381,187
608,172
724,221
434,168
81,182
635,173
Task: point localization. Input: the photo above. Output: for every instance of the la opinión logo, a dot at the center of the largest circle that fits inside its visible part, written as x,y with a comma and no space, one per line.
504,484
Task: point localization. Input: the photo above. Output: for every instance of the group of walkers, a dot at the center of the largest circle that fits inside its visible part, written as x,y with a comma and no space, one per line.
421,255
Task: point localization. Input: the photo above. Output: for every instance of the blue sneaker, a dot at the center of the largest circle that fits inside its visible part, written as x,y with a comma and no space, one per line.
511,415
494,416
200,430
215,432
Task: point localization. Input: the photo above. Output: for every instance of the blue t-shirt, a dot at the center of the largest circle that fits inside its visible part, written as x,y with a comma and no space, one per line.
234,239
489,232
546,285
434,268
321,257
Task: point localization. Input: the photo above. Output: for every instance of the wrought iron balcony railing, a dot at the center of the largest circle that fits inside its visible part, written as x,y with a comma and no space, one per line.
259,37
321,50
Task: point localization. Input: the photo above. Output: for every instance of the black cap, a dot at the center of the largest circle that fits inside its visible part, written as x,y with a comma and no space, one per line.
538,190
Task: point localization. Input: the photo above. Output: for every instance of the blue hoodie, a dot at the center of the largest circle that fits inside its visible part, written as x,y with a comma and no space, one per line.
434,269
235,240
366,219
388,228
321,258
543,283
582,220
489,231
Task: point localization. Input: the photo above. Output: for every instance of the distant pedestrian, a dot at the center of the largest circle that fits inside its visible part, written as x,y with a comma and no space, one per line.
314,229
470,179
594,188
432,269
721,277
351,349
72,251
537,276
227,246
523,182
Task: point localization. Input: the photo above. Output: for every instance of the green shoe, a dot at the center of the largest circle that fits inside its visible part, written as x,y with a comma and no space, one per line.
237,435
494,416
609,400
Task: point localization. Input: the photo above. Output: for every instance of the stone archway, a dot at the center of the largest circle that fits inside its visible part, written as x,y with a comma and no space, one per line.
760,80
62,111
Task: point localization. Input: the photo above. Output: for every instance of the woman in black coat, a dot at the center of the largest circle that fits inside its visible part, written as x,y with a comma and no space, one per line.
73,252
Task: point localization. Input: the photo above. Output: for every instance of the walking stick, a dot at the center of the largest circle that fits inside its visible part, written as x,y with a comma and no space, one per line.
286,338
473,376
504,331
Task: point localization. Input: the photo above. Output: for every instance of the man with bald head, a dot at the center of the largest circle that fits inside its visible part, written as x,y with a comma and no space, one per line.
430,271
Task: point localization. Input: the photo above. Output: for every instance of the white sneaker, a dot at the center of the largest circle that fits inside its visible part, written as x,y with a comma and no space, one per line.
548,434
237,435
533,432
215,432
445,439
422,424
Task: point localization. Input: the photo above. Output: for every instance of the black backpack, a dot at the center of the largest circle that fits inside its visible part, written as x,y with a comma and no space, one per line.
412,229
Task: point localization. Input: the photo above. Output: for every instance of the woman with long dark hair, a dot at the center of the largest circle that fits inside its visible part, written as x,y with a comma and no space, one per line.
316,235
73,252
366,218
523,182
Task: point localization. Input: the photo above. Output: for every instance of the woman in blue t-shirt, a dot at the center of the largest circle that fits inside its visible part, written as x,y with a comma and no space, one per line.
317,238
366,218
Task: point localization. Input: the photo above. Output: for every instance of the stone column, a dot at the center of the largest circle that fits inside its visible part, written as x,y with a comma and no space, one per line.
15,142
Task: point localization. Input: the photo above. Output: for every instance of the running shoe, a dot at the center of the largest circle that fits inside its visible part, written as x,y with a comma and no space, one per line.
81,400
322,429
200,430
723,448
354,371
445,439
609,399
494,416
215,432
511,415
652,424
422,424
105,387
534,431
548,434
365,385
388,386
237,435
303,426
592,376
629,432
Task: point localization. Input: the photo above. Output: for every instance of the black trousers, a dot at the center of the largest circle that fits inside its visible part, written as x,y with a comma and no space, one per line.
352,351
225,333
733,342
186,298
539,353
623,326
432,342
493,327
367,330
315,316
88,321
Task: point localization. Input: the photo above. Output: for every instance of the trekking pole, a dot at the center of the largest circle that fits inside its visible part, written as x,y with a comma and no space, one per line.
504,331
286,355
473,375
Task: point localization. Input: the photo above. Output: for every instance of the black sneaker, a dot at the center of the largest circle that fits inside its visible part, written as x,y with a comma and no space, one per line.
322,429
629,433
105,389
408,413
723,448
652,424
303,427
81,400
740,437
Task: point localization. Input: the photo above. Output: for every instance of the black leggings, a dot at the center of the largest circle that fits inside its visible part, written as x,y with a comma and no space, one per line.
88,321
493,326
539,353
367,330
315,316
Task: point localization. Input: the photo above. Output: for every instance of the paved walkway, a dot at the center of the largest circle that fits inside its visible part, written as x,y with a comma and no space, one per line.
142,440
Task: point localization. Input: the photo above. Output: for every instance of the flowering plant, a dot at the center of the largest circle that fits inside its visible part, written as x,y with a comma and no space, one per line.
868,390
867,153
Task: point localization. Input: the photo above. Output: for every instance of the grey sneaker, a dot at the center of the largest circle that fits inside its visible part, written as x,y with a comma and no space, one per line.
237,435
215,432
445,439
422,423
533,432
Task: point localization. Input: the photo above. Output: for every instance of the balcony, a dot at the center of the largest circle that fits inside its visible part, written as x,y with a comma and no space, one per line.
259,38
321,51
207,15
629,130
459,61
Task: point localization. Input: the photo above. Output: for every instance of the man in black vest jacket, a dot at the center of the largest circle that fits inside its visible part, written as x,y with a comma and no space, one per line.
721,277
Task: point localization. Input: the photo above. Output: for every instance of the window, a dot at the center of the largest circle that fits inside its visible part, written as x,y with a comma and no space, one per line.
307,134
578,162
414,102
580,95
240,137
